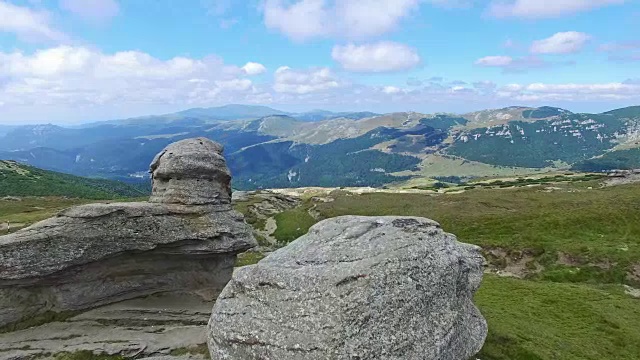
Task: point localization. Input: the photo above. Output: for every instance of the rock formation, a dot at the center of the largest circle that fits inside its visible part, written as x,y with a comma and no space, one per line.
355,288
184,240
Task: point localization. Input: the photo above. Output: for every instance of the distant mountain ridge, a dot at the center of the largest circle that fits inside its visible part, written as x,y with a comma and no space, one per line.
340,149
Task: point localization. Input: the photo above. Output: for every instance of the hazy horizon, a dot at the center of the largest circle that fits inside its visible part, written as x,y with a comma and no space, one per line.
282,109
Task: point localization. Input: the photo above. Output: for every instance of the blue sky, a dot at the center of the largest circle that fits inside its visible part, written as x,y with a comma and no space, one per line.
69,61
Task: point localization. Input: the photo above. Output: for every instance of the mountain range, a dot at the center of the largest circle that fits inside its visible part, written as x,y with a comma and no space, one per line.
267,148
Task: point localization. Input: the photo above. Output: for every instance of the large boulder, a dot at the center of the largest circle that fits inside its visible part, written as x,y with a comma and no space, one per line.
355,288
97,254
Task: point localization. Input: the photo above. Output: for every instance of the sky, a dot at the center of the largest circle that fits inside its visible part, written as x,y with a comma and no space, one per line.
72,61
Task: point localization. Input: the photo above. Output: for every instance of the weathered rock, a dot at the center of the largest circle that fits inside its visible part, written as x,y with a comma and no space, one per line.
97,254
162,326
191,172
355,288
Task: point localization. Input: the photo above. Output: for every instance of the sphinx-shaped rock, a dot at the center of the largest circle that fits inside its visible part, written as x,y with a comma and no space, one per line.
393,288
186,240
191,172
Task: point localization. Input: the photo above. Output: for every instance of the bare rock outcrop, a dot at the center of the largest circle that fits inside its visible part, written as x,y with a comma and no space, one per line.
355,288
184,240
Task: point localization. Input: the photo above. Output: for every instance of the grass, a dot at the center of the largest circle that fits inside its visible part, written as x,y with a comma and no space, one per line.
86,355
248,258
201,349
535,320
592,225
292,224
566,311
437,165
23,180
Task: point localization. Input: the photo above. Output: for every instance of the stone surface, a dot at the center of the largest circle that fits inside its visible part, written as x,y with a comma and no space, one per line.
191,172
166,326
355,288
97,254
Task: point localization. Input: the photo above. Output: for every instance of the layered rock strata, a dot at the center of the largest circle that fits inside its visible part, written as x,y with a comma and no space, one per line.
185,239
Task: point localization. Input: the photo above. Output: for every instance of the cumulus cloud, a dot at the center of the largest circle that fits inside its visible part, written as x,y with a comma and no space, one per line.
68,82
28,24
78,75
306,19
561,43
534,9
288,80
94,10
252,68
384,56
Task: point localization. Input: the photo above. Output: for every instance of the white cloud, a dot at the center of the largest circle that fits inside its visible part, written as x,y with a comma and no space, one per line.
383,56
545,9
561,43
235,84
292,81
78,75
94,10
78,83
391,90
512,87
28,24
495,61
252,68
300,21
306,19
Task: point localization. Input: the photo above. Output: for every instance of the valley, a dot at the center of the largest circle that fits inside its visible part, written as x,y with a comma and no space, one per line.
550,196
268,148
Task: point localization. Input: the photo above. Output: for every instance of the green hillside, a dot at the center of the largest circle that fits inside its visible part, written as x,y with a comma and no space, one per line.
569,138
567,257
620,159
22,180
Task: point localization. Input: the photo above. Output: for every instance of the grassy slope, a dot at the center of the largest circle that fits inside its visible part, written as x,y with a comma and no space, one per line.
563,313
535,320
437,165
596,224
23,180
